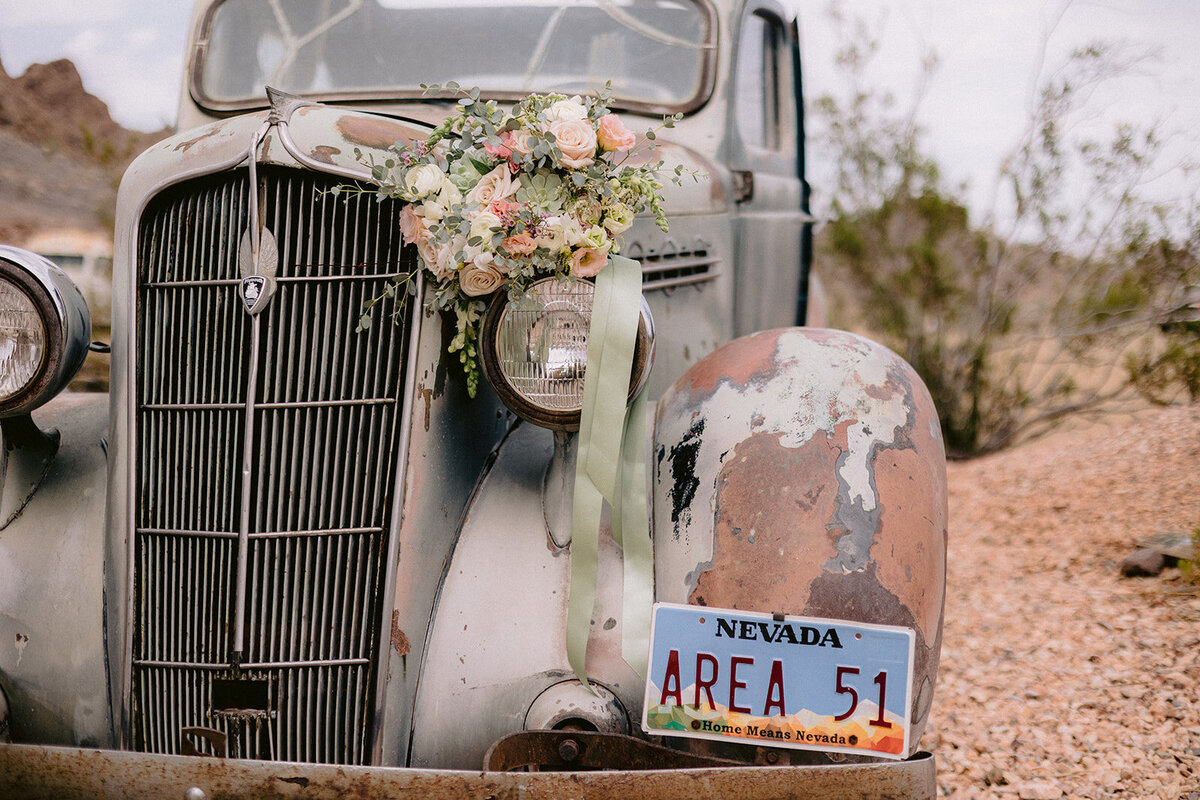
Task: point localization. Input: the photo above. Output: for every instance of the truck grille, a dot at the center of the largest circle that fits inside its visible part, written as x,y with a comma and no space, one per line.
326,428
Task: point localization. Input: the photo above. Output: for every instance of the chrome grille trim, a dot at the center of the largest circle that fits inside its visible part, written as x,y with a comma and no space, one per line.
324,489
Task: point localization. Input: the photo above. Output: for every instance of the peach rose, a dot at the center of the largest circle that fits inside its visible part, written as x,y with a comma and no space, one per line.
521,244
577,141
613,135
517,141
410,225
496,185
480,277
586,262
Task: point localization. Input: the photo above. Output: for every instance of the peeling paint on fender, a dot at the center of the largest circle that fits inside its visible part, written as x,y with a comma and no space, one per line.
802,472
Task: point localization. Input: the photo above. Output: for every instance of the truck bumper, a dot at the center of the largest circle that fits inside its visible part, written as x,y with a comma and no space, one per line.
67,773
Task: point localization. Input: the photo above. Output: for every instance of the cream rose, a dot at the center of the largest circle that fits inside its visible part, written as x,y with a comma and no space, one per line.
577,141
429,252
618,218
480,277
496,185
571,108
595,238
423,180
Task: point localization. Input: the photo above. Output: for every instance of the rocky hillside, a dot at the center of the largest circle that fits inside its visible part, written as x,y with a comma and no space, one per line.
61,154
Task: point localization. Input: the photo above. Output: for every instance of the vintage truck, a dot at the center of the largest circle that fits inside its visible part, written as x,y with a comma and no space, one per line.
284,559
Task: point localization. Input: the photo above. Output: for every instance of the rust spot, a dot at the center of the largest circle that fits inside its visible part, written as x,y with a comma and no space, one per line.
740,363
774,504
427,396
399,638
376,132
860,597
905,547
324,153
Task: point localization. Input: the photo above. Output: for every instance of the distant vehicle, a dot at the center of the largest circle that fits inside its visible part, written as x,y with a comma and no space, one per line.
282,559
86,257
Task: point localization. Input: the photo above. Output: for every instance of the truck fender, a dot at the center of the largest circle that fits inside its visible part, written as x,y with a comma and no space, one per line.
802,471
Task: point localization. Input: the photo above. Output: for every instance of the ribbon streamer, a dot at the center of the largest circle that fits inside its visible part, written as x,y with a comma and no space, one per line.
611,465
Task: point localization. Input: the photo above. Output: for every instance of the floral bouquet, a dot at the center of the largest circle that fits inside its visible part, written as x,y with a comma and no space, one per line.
497,199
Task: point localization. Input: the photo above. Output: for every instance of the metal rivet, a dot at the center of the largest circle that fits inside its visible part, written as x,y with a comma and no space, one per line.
195,793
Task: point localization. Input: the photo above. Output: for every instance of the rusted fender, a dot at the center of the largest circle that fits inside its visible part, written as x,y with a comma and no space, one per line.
33,772
802,471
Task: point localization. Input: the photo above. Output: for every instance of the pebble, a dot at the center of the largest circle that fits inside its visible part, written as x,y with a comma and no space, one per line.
1058,676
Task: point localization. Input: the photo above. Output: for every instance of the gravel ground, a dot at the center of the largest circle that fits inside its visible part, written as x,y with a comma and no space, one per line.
1060,678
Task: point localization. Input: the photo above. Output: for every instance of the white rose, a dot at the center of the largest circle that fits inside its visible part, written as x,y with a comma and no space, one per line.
431,210
480,277
449,193
423,180
496,185
571,108
483,225
553,233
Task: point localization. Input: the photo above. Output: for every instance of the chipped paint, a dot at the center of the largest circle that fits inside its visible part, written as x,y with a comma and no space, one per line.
22,641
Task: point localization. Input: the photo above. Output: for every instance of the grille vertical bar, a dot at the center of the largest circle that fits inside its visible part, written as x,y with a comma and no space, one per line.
326,436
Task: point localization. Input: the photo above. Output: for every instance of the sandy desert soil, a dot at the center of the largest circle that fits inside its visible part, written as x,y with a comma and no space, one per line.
1060,678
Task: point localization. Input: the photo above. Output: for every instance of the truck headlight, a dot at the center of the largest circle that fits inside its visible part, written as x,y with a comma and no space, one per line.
44,330
534,351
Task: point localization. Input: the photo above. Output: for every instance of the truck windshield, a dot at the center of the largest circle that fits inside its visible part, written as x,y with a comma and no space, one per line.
656,53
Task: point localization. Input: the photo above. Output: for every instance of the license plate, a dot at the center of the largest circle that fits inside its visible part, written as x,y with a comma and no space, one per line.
779,681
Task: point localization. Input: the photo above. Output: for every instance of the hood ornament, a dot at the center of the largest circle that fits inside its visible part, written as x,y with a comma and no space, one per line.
258,271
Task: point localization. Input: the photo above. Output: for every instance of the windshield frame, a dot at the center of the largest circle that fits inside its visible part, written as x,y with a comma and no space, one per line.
218,107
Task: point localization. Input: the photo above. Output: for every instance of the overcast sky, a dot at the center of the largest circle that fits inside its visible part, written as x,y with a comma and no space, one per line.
130,54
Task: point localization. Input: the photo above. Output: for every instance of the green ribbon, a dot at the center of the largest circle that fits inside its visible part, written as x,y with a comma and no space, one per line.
611,465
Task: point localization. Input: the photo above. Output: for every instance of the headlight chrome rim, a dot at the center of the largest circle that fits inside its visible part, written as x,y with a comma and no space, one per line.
514,391
65,321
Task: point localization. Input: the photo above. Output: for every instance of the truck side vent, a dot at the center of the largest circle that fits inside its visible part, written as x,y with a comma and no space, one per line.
667,264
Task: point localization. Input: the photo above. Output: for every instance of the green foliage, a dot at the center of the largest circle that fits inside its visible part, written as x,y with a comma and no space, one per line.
1070,305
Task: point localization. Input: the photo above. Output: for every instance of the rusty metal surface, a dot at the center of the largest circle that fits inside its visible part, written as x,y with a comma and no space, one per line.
33,772
802,471
588,750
